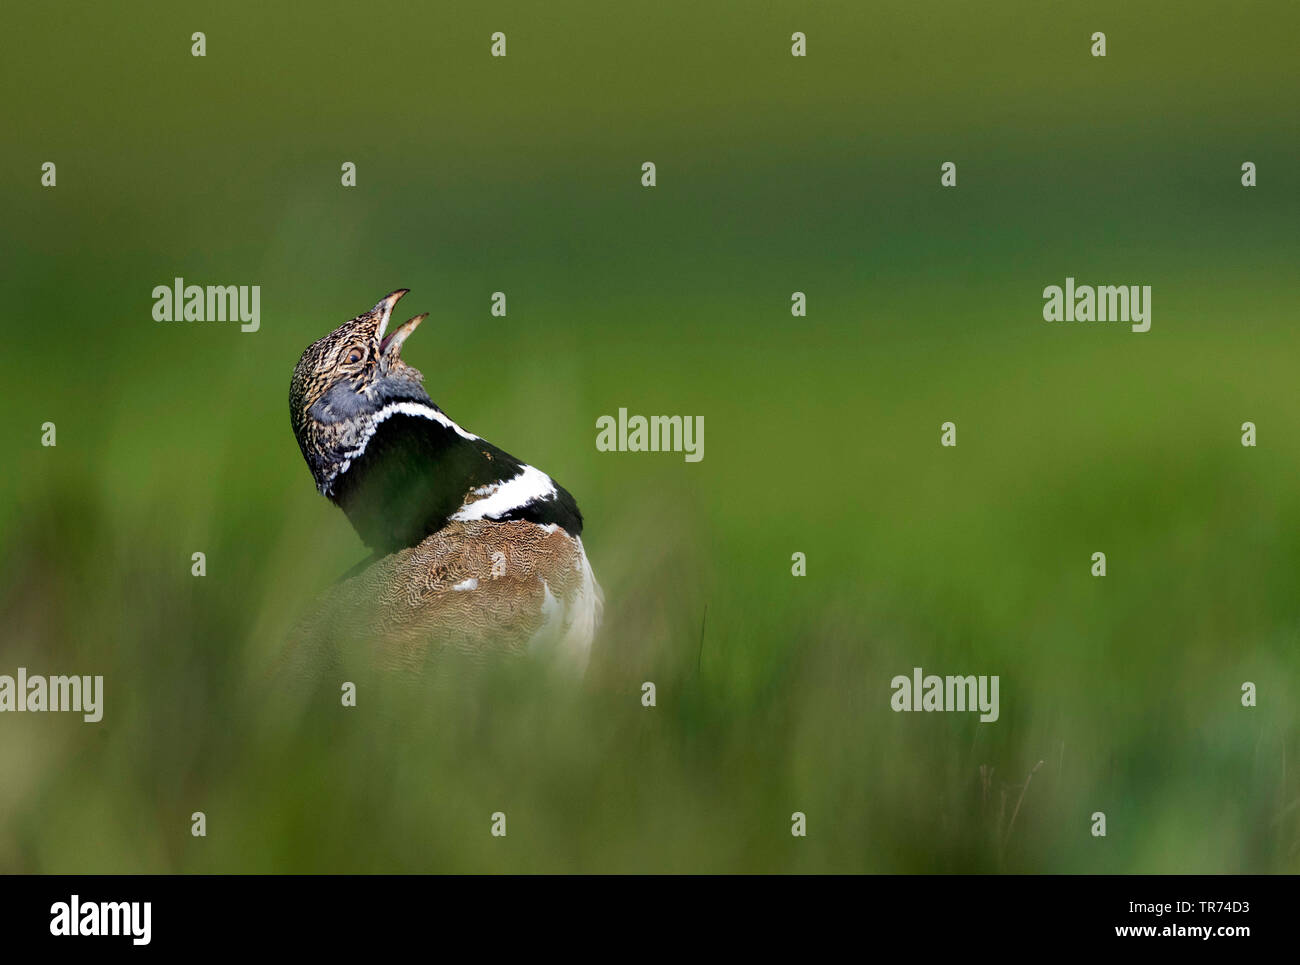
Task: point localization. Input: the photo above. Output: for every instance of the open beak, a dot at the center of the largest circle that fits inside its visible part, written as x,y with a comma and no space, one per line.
385,310
391,345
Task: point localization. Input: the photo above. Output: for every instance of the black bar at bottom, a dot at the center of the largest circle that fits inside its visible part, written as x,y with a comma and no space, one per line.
333,914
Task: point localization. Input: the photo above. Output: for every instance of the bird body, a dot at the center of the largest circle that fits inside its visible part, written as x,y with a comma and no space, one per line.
474,550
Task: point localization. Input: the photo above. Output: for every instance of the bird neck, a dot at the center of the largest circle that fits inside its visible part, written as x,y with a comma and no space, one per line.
417,471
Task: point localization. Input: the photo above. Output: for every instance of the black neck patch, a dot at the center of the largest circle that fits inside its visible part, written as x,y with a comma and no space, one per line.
416,473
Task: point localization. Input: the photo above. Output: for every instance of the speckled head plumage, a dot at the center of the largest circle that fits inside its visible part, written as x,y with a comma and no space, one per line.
396,464
343,380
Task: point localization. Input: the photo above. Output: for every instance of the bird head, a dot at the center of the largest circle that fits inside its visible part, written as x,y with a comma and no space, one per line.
344,381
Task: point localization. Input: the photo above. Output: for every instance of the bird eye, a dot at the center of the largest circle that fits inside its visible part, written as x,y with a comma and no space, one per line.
355,355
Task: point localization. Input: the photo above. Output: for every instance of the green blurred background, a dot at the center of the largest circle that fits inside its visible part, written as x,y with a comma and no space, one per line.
775,174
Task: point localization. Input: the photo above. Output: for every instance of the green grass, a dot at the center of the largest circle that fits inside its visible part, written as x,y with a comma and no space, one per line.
822,436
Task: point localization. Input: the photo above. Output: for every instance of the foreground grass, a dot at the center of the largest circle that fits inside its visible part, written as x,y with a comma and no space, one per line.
1118,695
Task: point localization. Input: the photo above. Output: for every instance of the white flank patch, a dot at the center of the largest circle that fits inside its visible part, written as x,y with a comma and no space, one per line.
552,626
529,486
470,584
550,605
585,614
569,627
